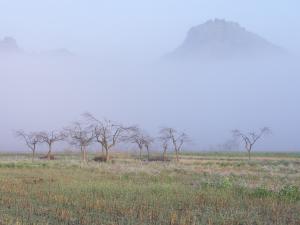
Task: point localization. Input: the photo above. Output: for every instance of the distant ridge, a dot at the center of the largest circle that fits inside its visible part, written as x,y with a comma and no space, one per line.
221,39
9,45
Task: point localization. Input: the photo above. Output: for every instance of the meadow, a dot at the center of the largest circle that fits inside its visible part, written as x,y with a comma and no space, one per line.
203,188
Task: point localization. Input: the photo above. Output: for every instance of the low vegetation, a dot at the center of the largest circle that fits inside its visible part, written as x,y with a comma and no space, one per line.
203,188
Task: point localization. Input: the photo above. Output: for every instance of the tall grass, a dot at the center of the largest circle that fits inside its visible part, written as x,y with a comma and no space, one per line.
133,192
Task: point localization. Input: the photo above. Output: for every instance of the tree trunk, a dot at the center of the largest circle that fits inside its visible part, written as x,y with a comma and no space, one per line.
33,155
102,150
83,157
106,154
140,153
249,154
49,152
165,155
148,153
33,152
177,155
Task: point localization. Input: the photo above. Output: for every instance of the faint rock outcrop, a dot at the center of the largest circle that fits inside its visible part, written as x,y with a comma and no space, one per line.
221,39
9,45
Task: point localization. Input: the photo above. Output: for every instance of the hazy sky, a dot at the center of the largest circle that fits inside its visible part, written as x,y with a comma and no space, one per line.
207,100
149,27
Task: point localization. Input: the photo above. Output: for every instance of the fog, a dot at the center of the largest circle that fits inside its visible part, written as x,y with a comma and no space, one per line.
207,101
120,72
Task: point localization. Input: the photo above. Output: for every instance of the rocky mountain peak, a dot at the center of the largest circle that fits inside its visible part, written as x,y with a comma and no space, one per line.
221,39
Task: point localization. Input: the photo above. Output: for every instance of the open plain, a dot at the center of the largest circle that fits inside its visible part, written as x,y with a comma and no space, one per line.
203,188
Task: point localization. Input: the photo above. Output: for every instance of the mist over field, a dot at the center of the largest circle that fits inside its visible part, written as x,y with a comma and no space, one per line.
205,89
206,100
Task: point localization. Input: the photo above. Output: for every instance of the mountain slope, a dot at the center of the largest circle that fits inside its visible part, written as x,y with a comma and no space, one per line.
220,39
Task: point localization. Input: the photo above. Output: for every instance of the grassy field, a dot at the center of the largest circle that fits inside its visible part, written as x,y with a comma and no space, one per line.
206,188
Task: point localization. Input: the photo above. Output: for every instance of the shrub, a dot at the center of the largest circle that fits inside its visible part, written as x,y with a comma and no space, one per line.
158,159
226,183
290,192
46,157
262,192
101,158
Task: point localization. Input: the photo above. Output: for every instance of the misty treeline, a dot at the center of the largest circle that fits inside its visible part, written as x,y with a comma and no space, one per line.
107,134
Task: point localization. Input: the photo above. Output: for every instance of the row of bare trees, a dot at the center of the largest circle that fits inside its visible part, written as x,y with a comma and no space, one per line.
32,139
107,134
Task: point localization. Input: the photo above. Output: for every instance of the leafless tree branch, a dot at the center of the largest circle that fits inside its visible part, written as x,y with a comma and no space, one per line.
81,136
31,140
251,138
107,133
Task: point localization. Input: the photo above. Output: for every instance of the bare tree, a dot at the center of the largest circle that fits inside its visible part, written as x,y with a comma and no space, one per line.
165,149
176,138
50,138
165,140
82,137
139,137
251,138
31,140
148,141
107,133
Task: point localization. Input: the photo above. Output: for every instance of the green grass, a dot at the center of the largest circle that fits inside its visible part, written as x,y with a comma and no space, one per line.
218,190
